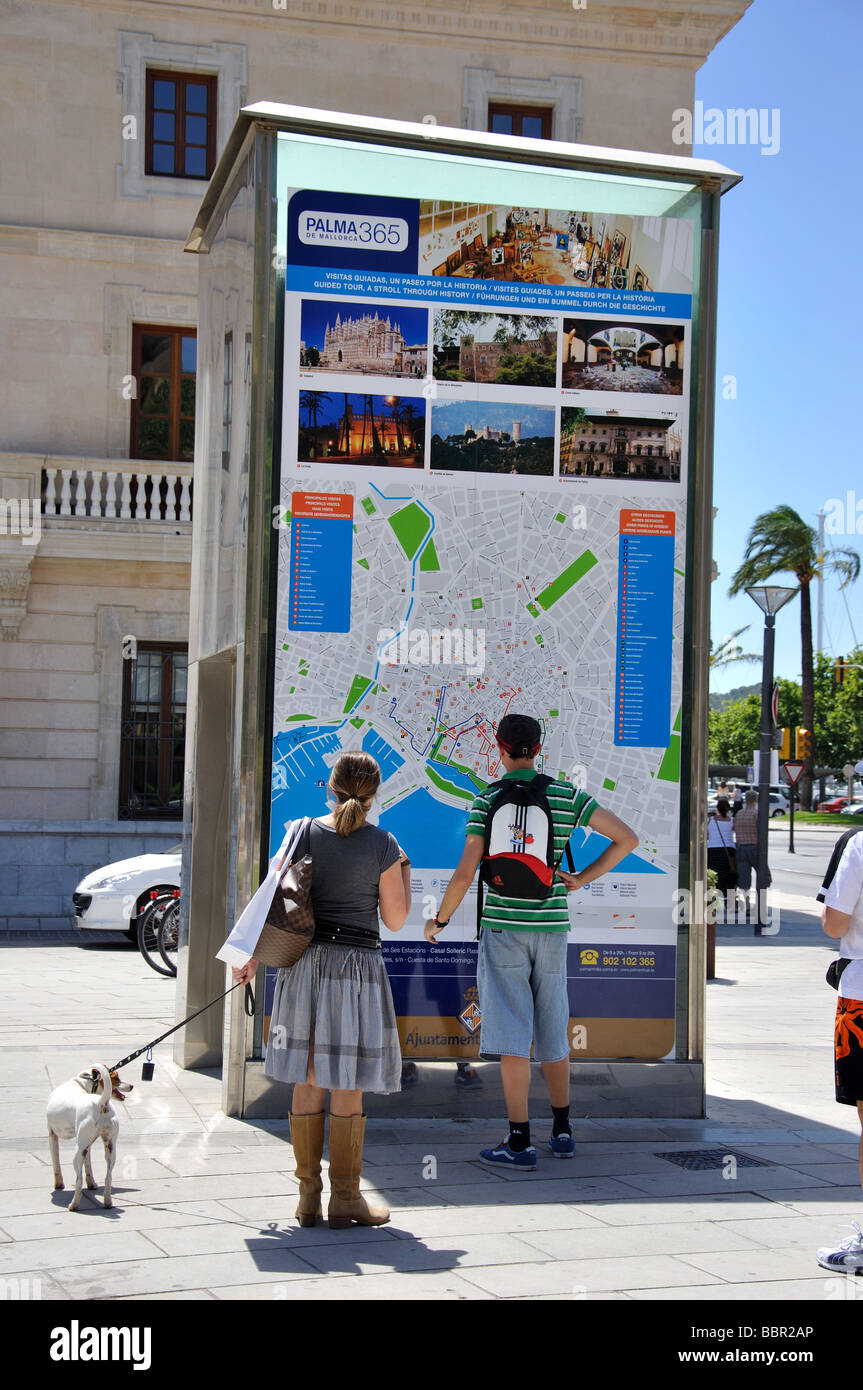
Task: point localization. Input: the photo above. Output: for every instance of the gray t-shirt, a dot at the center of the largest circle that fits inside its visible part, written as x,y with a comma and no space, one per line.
345,874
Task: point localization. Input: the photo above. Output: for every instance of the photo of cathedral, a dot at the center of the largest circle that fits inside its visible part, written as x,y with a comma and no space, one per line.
368,339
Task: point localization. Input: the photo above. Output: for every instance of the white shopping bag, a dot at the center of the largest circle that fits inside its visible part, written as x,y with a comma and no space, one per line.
240,945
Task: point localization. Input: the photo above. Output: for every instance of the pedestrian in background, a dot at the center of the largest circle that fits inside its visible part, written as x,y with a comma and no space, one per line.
746,843
720,850
842,919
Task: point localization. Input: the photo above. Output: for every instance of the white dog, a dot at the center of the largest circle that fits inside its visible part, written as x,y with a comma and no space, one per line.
81,1109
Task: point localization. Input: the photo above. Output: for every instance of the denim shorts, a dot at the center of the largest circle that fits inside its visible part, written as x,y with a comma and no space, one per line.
523,998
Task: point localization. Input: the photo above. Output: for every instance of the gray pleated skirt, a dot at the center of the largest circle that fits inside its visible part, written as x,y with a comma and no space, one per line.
340,998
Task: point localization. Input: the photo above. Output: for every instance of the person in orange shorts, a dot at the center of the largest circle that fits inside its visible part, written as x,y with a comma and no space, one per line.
842,918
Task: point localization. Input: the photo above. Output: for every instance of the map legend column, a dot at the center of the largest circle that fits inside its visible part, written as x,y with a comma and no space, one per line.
322,536
645,612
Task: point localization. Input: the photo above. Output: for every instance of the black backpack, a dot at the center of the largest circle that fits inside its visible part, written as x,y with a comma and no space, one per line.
518,859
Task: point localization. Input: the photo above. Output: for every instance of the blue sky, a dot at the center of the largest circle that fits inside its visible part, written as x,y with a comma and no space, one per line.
452,418
788,325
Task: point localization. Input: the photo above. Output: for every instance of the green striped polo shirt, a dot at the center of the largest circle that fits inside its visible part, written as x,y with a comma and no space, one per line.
569,808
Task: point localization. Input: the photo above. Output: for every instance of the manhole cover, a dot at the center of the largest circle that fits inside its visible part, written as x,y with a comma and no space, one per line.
713,1158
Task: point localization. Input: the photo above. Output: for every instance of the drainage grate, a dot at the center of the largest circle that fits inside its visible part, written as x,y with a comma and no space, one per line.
693,1159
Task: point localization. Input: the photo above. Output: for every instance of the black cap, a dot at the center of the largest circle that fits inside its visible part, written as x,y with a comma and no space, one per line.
519,735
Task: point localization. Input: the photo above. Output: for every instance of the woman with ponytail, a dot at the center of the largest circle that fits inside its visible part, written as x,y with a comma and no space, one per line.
333,1024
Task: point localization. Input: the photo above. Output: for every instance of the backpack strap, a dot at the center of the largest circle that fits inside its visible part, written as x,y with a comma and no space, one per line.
838,851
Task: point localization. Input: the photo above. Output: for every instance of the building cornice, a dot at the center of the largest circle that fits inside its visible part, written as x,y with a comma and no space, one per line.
149,543
685,30
65,243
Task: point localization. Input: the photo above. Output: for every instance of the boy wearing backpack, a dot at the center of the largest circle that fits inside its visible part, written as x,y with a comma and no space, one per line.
519,829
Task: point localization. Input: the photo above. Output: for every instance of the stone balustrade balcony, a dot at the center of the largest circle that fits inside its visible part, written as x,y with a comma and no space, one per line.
87,509
145,491
64,490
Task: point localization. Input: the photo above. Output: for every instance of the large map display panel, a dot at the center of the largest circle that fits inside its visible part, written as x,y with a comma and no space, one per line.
482,511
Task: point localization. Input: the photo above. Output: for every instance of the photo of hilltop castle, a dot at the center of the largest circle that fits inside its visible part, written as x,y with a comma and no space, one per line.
492,437
367,339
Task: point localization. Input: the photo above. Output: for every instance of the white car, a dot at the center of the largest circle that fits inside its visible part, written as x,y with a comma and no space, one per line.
855,808
111,898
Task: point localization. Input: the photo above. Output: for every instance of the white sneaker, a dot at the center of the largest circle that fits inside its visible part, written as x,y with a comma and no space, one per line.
848,1255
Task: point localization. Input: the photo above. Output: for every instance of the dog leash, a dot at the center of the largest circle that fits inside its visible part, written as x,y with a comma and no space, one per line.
249,1005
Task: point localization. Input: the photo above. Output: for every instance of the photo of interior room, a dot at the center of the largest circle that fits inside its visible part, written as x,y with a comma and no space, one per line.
610,355
548,246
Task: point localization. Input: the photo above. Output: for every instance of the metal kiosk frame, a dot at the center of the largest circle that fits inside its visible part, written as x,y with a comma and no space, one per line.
239,234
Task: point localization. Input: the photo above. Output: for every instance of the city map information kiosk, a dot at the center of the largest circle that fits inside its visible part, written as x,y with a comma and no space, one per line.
453,460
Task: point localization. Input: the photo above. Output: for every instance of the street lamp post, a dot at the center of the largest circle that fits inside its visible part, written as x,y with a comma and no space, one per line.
770,598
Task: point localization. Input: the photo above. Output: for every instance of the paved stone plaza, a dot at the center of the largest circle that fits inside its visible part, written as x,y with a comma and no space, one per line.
204,1204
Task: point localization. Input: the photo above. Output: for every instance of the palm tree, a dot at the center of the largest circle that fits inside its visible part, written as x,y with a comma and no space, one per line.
377,447
343,443
313,402
729,650
413,423
781,542
397,418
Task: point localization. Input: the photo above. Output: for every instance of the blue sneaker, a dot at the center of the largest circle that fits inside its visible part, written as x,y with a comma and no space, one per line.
504,1154
561,1145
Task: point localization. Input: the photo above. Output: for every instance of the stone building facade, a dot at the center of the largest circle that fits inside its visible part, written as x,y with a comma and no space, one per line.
114,115
480,361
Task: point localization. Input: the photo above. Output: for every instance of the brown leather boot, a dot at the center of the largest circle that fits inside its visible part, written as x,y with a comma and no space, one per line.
346,1165
307,1137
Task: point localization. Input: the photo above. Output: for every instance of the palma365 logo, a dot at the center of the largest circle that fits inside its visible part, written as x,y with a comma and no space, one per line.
367,233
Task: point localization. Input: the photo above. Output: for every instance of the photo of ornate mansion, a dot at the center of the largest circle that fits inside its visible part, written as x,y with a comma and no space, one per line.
344,337
619,446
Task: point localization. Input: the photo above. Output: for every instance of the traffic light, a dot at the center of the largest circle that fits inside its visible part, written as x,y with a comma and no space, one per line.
785,745
839,669
804,745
